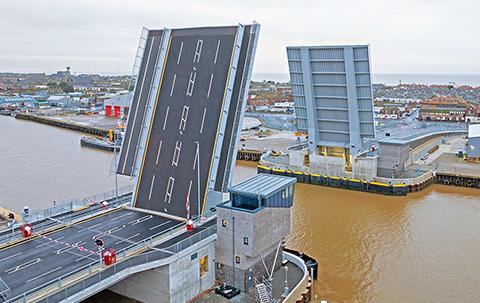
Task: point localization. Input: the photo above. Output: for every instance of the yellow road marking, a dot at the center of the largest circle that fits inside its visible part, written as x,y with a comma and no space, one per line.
52,230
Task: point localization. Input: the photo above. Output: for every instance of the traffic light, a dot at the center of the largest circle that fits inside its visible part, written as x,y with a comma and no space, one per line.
99,242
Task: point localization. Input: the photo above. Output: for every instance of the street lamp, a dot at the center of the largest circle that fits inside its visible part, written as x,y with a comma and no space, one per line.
286,290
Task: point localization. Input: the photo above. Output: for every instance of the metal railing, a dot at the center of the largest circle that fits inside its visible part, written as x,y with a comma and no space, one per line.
72,204
93,273
4,290
67,211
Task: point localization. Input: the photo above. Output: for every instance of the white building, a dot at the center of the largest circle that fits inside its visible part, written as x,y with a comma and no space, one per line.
473,149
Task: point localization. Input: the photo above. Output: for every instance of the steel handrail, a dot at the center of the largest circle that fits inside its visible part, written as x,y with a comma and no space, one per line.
95,265
39,226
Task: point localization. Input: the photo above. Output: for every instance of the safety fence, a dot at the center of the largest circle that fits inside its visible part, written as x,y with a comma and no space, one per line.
73,204
93,273
4,290
67,212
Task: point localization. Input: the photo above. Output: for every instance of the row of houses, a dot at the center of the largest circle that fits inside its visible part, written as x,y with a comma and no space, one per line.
449,109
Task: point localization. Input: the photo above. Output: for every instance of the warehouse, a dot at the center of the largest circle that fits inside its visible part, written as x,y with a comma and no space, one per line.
118,105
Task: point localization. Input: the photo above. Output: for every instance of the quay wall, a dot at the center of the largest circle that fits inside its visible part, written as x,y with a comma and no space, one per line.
249,154
458,180
385,186
64,124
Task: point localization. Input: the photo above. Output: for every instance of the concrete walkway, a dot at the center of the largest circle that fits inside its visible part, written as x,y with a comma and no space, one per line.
278,286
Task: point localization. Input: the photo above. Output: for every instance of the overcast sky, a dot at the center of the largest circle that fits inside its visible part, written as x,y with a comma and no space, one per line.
101,36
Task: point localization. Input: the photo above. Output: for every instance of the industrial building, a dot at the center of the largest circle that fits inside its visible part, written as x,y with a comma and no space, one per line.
473,148
332,91
59,101
118,104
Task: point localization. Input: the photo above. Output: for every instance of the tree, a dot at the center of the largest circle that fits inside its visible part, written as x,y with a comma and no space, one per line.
67,88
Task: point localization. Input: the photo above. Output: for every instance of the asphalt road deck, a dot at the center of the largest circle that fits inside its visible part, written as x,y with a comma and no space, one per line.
187,111
29,264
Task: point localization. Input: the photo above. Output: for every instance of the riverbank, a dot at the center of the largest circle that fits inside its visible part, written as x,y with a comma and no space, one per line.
64,124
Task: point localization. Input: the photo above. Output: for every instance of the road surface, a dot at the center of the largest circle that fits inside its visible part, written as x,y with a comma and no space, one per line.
187,112
30,264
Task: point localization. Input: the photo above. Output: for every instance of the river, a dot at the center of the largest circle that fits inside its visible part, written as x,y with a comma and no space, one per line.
424,247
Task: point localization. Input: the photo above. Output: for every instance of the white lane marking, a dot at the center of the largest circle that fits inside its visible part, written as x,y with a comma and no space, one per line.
116,218
173,84
66,249
203,119
188,197
158,153
191,83
157,226
195,160
11,256
136,108
48,242
210,86
113,230
23,266
129,238
176,153
166,117
168,193
44,274
142,219
84,257
93,226
183,120
198,51
180,53
151,188
216,52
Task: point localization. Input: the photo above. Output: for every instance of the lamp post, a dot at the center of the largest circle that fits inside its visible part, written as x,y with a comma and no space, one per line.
233,251
286,290
115,167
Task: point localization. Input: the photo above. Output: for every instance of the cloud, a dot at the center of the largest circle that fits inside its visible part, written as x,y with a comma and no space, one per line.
409,36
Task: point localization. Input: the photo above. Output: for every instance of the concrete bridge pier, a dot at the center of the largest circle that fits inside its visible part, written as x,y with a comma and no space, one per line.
191,273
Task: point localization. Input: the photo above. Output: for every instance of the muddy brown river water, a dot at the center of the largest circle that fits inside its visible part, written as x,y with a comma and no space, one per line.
424,247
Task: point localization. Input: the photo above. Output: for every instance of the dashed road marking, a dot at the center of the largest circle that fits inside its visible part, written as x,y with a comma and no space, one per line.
23,266
159,225
126,239
11,256
44,274
216,52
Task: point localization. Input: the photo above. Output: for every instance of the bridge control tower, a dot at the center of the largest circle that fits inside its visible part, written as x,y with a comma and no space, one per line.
186,113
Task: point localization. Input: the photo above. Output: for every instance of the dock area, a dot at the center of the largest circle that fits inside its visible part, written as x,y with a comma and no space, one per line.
64,124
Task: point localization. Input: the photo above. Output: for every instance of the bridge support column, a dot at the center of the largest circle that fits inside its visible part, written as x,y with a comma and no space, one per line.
192,272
